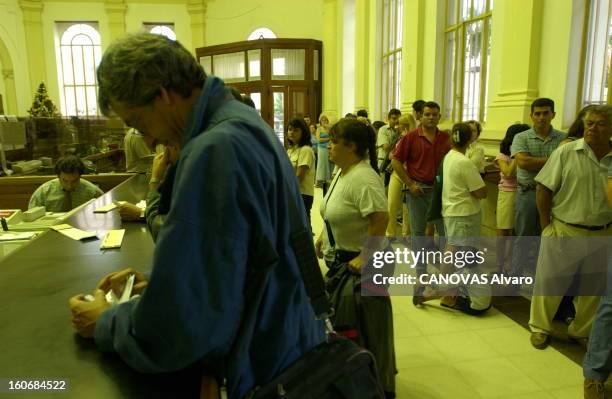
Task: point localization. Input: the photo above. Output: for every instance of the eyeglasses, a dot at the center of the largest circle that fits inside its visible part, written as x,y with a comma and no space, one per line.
590,124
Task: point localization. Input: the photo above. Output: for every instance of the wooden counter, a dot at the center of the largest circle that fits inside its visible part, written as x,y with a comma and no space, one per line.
15,192
36,281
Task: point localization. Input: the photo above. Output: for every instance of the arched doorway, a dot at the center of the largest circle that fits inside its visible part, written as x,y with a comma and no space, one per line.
9,100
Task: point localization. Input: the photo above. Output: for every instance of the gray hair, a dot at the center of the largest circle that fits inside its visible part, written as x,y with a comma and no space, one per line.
135,68
602,110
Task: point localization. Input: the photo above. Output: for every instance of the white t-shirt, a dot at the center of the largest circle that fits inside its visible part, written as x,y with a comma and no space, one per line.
460,178
350,200
304,156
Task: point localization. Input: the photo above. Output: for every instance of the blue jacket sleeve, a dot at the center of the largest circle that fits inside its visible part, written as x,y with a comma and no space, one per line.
193,303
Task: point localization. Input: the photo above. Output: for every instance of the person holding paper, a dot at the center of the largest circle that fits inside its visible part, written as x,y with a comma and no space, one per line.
67,191
231,191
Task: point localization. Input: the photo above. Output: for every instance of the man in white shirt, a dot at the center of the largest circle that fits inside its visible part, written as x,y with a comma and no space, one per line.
571,200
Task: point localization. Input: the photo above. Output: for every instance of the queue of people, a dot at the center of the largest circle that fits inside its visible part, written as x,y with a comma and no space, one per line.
207,215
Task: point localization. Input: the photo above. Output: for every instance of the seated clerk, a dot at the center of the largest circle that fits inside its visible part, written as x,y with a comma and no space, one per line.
67,191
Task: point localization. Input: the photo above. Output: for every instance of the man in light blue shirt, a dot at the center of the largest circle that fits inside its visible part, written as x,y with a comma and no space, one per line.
531,149
67,191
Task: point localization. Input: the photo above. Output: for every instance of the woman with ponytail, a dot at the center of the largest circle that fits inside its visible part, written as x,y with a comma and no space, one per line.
462,189
354,209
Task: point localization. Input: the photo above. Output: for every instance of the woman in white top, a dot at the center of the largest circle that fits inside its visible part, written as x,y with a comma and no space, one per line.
407,123
302,158
355,208
462,190
475,151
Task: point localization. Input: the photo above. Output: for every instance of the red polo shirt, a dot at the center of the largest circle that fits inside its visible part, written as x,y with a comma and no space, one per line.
419,156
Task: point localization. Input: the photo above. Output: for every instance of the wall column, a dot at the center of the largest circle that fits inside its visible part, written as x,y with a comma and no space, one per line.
197,13
32,23
362,62
11,97
518,76
412,54
115,12
330,57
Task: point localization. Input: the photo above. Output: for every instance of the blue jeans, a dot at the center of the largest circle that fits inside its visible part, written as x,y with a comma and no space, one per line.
598,359
417,209
526,226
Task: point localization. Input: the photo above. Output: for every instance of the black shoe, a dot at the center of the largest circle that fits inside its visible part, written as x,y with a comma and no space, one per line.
418,298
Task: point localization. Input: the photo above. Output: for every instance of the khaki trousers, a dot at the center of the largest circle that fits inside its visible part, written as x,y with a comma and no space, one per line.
395,201
564,260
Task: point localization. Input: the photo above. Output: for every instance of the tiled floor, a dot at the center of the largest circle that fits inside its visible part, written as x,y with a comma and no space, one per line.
443,354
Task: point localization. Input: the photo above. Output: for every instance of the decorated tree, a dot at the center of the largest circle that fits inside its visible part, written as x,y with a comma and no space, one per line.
43,106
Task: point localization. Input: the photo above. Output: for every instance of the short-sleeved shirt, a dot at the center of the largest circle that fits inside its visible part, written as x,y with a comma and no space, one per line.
536,146
506,183
578,181
138,155
476,153
304,156
460,178
386,135
52,196
419,156
349,201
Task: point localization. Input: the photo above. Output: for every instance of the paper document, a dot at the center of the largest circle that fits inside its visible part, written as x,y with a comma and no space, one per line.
109,207
112,239
125,295
73,232
17,236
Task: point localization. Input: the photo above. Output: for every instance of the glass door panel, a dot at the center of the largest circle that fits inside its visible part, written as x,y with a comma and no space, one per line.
279,107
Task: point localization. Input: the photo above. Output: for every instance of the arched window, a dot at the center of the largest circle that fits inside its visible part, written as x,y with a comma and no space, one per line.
261,33
165,29
79,55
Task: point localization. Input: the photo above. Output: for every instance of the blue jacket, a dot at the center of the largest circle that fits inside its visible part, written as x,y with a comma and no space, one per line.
229,187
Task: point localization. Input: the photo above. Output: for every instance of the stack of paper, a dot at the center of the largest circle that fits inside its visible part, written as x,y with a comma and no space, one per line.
73,232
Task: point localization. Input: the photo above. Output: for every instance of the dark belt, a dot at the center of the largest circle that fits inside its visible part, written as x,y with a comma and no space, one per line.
589,228
527,187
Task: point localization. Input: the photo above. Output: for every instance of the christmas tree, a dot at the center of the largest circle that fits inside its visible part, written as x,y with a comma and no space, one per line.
42,105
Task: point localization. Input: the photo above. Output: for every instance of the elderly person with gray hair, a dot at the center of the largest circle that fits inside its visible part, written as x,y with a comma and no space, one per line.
572,203
228,214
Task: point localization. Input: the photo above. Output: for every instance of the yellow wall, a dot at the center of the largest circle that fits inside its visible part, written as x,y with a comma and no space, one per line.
554,55
233,21
230,21
13,38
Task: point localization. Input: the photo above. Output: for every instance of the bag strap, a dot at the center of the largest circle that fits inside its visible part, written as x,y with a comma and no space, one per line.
300,240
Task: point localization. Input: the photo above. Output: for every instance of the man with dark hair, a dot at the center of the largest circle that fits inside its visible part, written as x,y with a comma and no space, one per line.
417,110
531,150
362,112
67,191
387,137
415,160
228,218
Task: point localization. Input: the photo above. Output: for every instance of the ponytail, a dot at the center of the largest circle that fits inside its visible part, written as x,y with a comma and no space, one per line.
461,134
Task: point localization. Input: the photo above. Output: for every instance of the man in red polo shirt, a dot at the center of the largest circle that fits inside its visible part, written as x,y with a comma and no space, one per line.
416,160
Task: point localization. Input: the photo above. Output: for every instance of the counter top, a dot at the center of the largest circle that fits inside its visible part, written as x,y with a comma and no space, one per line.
36,281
